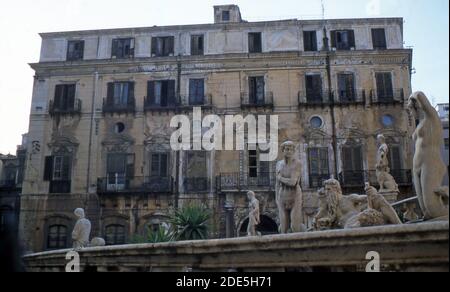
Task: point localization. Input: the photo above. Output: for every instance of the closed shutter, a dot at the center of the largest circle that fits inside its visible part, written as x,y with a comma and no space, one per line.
351,39
48,168
333,39
155,47
115,48
171,92
71,96
110,93
130,98
151,92
379,38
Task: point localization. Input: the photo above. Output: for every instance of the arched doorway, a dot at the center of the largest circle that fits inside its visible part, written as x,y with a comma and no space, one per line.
266,227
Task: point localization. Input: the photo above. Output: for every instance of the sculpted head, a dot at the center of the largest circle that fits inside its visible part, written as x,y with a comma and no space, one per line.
381,139
332,186
79,213
288,149
251,195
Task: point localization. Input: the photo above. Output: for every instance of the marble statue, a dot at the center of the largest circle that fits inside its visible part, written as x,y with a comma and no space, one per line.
379,211
385,179
428,167
289,197
335,209
81,231
254,214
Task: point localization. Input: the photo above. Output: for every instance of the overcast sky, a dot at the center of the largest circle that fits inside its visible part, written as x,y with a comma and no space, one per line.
426,29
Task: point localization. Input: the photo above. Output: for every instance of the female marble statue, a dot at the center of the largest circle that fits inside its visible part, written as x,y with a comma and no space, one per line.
428,167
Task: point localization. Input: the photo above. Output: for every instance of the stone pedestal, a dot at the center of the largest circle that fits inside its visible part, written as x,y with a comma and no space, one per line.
390,196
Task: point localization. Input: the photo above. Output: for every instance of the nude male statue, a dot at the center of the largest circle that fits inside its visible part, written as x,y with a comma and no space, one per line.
289,195
81,231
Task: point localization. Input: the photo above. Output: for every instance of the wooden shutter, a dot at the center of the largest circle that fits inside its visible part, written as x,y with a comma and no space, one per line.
110,93
155,46
115,48
171,92
151,92
71,96
379,38
351,39
130,165
66,167
170,46
333,39
130,100
357,158
48,168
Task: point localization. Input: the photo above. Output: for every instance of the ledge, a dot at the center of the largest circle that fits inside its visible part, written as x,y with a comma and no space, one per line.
408,247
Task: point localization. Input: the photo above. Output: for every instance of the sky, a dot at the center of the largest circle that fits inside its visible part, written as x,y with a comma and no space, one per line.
426,30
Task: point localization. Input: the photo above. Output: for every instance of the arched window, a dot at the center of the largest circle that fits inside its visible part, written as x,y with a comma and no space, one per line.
115,234
266,227
57,237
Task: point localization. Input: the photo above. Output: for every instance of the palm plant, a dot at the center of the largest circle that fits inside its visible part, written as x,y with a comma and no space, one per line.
191,222
159,235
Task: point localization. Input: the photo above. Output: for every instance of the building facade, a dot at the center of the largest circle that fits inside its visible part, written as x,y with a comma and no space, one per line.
443,111
103,101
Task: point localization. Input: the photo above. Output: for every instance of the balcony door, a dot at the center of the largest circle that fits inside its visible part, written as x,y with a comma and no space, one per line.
119,170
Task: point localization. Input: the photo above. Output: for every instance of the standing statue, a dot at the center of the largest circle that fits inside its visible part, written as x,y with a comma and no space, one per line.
335,209
385,179
254,216
428,167
379,212
81,231
289,195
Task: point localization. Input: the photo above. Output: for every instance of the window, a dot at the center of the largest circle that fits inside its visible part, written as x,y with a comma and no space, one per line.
225,15
446,143
257,168
394,157
161,93
254,42
316,122
57,237
196,91
310,41
162,46
197,45
343,39
115,234
387,120
318,166
119,168
352,159
346,85
57,171
196,178
385,92
314,88
120,93
123,48
64,97
379,39
119,128
256,90
6,218
75,50
159,165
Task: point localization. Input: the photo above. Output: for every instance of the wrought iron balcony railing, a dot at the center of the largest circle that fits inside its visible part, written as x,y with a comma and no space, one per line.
243,181
60,187
196,184
251,101
123,184
357,179
312,99
169,103
57,109
396,96
109,106
192,101
349,97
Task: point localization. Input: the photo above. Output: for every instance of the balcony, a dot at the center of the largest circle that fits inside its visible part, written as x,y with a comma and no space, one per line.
244,182
357,179
55,109
380,97
60,187
110,107
251,101
8,184
169,104
316,180
122,184
350,97
314,99
196,184
189,102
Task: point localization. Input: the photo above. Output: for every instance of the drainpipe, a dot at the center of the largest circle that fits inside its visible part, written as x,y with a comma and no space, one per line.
326,48
91,129
177,162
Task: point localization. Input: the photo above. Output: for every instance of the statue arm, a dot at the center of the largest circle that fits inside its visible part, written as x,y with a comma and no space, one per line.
294,180
76,232
426,106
